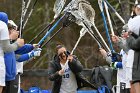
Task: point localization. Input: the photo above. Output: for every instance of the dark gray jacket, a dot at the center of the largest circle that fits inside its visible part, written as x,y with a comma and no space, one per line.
76,68
135,45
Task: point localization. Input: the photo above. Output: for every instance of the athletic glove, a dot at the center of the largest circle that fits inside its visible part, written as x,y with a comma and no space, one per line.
112,65
116,65
35,52
116,57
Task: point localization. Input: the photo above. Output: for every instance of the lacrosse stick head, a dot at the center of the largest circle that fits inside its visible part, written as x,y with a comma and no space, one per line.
58,6
68,19
82,10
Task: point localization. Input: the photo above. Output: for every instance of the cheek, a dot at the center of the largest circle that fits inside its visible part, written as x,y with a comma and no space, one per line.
137,11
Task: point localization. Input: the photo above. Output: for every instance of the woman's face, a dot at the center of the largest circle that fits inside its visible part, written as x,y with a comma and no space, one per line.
124,34
137,10
13,34
62,54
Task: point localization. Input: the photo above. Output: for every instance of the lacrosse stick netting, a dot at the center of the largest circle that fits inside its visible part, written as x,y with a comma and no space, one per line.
58,6
83,12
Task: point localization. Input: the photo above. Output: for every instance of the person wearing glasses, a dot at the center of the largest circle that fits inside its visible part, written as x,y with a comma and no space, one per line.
66,76
5,46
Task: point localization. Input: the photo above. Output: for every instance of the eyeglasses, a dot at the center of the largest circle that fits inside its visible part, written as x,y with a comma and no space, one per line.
60,54
12,28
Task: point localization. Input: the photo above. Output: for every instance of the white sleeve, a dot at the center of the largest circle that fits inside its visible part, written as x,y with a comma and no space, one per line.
4,33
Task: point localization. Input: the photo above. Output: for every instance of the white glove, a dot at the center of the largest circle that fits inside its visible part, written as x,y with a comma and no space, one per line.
35,53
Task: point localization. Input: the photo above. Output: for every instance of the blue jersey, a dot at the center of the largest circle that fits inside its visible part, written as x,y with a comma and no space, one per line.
10,63
10,60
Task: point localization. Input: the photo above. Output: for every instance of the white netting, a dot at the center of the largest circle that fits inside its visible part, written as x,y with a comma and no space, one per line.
82,10
84,14
87,11
58,6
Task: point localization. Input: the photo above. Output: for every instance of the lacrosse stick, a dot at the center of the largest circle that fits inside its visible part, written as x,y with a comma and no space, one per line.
100,3
114,23
51,30
58,7
19,82
117,14
26,8
51,37
59,4
80,21
29,13
42,31
83,11
22,17
109,20
66,22
20,34
82,33
24,11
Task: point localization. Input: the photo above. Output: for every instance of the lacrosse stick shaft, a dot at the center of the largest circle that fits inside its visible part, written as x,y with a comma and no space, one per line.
27,18
107,32
42,31
115,12
100,3
73,50
24,13
51,29
89,30
82,33
21,19
19,82
114,23
109,20
29,14
39,33
52,37
101,37
26,8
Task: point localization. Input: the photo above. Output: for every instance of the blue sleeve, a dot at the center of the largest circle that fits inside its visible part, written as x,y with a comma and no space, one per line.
23,57
119,65
24,49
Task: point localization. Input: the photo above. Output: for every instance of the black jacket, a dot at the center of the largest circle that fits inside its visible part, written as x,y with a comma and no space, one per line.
76,68
135,45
